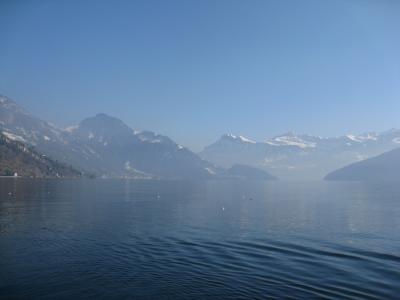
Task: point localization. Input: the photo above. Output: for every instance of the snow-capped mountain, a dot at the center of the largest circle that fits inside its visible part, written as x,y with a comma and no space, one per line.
103,145
303,156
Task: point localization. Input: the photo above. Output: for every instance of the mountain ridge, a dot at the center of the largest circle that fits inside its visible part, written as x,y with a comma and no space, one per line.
105,146
300,156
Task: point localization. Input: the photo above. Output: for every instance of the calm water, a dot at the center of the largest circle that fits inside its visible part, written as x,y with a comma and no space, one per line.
79,239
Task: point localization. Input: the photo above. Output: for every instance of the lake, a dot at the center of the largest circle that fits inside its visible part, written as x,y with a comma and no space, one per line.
127,239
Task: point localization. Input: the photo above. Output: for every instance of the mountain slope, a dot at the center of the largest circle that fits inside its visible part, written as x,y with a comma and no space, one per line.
384,167
21,126
17,121
15,157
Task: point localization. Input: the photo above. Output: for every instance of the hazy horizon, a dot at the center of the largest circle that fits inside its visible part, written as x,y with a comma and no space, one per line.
194,71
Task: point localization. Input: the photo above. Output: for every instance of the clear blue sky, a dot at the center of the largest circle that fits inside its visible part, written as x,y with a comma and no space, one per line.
196,69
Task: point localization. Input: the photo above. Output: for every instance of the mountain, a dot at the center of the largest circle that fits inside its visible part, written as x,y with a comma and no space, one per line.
292,156
116,149
247,172
104,146
385,167
17,158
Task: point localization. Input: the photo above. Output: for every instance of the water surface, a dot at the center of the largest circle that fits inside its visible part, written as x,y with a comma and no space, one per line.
126,239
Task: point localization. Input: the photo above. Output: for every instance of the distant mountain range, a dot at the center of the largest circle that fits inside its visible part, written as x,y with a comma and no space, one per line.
105,146
293,156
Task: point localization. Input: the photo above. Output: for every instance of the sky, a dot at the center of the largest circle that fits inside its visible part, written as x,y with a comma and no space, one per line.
194,70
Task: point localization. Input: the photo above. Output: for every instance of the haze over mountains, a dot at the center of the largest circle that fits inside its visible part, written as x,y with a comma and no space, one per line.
292,156
105,146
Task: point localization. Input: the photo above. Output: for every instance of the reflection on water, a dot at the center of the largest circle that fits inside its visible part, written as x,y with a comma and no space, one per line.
118,239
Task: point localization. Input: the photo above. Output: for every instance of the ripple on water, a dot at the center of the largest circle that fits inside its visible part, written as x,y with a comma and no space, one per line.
116,240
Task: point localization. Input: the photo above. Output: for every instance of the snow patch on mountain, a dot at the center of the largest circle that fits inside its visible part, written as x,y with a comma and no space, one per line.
396,140
239,138
128,166
71,129
210,171
14,137
291,140
246,140
362,138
